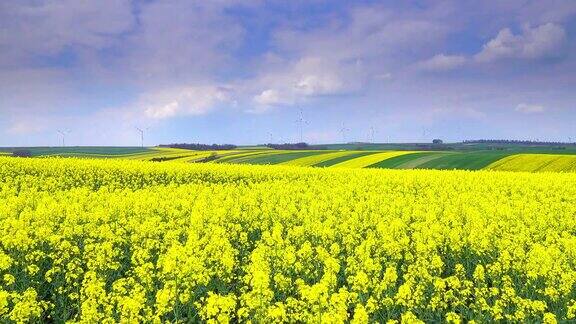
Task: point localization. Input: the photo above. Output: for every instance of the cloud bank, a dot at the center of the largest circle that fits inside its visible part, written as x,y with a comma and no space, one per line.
106,65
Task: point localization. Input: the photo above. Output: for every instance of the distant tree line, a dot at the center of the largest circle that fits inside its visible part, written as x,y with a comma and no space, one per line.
201,147
433,147
289,146
22,153
517,142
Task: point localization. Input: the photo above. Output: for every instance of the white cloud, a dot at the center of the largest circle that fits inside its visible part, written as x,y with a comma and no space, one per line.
161,112
47,28
441,62
314,84
340,56
318,76
544,41
147,43
180,41
530,109
271,97
372,32
305,78
190,100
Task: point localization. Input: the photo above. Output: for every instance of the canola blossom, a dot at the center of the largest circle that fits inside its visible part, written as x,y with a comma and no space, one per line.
128,241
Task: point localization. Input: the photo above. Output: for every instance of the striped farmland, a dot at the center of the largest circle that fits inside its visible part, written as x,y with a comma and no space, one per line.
319,158
368,160
536,163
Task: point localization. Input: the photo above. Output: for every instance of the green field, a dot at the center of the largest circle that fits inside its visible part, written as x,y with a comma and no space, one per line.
80,150
456,147
314,160
463,161
277,158
408,161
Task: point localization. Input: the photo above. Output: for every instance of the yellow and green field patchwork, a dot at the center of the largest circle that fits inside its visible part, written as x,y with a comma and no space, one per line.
318,158
469,160
242,154
536,163
371,159
247,158
158,153
181,155
408,161
193,156
79,151
281,157
340,159
224,154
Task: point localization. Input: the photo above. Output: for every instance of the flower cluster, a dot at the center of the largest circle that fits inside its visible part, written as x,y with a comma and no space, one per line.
129,241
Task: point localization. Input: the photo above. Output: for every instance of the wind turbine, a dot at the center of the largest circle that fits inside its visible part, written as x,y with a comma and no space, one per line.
63,134
371,135
141,131
301,122
343,131
424,132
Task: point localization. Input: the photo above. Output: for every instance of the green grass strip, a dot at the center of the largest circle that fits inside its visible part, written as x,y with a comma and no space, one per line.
404,161
463,161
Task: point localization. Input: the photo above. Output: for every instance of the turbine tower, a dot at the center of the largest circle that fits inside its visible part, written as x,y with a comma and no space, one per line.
63,134
424,133
372,132
343,131
301,122
141,131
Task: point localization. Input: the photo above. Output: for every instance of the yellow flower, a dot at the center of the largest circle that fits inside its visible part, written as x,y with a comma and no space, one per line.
9,279
127,241
549,318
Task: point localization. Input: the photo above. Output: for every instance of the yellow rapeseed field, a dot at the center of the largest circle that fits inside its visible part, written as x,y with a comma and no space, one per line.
536,163
128,241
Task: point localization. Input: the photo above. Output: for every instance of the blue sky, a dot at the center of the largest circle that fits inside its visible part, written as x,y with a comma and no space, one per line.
239,72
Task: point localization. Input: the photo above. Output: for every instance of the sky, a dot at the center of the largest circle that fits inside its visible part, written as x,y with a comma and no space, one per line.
242,72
